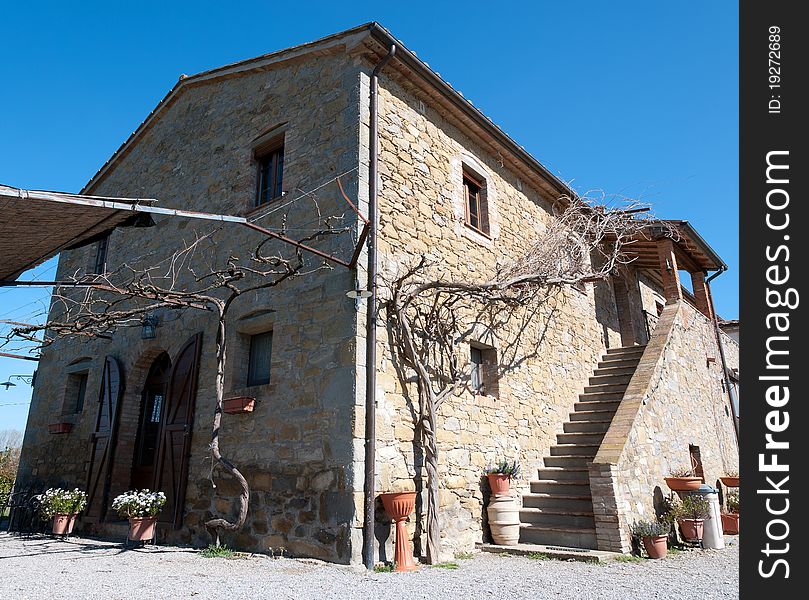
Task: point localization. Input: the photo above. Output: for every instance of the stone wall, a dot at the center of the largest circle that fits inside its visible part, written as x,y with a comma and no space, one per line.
296,447
675,399
422,212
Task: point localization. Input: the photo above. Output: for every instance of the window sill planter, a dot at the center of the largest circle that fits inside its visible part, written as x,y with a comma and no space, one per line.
683,484
63,523
242,404
60,427
141,529
399,505
656,545
730,481
730,523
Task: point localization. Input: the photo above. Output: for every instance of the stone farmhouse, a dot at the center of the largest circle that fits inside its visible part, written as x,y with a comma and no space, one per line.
629,379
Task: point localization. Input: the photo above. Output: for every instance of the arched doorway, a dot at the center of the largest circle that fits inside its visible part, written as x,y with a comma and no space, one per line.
147,439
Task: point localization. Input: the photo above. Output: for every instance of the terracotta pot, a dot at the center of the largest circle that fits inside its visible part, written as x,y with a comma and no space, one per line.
730,523
63,523
399,505
683,484
692,529
499,483
730,481
504,520
656,545
141,528
242,404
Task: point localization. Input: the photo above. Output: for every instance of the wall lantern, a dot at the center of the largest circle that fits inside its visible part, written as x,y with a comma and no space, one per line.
358,294
149,327
26,378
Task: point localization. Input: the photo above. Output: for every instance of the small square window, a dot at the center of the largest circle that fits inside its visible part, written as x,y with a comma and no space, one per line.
270,173
258,370
483,373
474,191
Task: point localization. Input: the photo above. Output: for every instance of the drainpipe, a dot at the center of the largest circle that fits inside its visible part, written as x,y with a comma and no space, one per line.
370,333
718,334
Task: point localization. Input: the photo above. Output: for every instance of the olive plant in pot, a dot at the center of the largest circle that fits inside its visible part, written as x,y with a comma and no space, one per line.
62,506
141,508
501,474
654,536
691,514
730,517
683,480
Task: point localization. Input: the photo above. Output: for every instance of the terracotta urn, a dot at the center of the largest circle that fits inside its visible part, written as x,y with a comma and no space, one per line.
499,483
656,545
730,523
399,505
63,523
683,484
730,481
692,529
141,528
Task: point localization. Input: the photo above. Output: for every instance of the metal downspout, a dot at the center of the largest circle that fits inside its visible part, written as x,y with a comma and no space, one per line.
718,334
370,333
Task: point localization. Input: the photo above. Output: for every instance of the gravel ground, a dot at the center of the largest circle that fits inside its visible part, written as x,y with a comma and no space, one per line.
40,567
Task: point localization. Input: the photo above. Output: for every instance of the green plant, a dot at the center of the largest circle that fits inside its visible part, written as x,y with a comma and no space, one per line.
732,501
666,511
644,529
217,551
464,555
682,473
733,474
139,503
538,556
693,506
58,501
628,558
504,467
384,568
446,565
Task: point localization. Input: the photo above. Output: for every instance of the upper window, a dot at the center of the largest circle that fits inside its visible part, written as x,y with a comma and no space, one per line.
258,369
483,370
270,173
474,191
81,391
100,264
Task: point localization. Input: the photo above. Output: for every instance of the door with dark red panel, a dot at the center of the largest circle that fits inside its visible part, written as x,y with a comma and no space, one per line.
175,438
102,441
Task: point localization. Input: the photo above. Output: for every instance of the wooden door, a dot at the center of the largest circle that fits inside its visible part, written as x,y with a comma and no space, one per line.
177,422
102,441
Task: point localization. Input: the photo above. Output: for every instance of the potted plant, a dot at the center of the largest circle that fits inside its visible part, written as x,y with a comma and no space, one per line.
683,480
62,506
691,514
654,536
731,479
730,518
500,475
141,508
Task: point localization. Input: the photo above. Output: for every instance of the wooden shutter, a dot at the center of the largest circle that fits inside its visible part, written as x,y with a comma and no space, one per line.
102,441
171,475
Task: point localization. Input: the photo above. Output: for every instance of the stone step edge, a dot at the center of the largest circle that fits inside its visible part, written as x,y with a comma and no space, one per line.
557,511
555,552
561,528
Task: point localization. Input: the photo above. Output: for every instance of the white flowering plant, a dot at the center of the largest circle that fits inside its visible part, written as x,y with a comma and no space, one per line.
59,501
139,503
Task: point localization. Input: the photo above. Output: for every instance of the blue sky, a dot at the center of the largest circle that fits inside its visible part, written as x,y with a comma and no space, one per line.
635,98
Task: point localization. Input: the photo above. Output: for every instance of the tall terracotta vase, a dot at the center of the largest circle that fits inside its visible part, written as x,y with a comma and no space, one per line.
63,523
399,505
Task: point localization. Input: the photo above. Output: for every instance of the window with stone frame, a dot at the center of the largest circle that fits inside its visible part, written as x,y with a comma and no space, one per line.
270,159
476,206
260,356
483,370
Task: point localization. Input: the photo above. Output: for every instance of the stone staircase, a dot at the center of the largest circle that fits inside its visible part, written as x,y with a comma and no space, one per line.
559,509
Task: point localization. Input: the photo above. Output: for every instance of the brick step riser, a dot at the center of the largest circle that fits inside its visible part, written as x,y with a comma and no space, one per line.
585,416
558,538
601,397
617,371
610,379
615,359
574,451
626,350
566,472
579,438
585,427
561,487
558,520
611,405
607,388
551,503
566,461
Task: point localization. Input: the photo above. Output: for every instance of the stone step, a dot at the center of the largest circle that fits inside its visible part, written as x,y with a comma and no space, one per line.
558,502
557,516
580,438
571,487
610,405
567,472
611,379
577,449
566,461
574,537
605,388
622,370
626,350
596,396
583,416
591,426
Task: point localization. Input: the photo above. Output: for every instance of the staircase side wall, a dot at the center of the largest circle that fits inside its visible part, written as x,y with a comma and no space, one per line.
675,398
